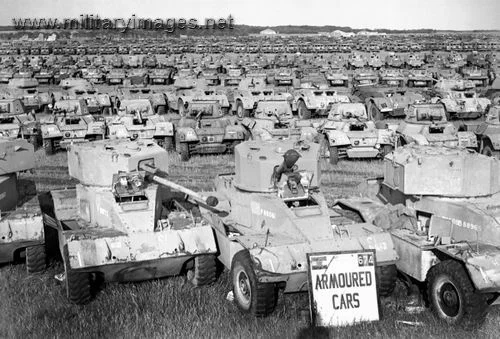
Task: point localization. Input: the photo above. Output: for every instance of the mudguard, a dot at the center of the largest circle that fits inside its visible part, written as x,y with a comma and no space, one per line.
337,138
495,140
117,131
50,131
385,137
234,132
172,100
186,134
248,103
164,128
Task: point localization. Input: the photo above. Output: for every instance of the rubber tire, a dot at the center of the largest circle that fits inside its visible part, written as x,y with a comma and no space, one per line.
36,259
334,155
324,144
488,151
204,271
48,146
168,143
386,279
181,109
263,297
302,111
473,306
160,110
240,111
106,111
374,113
386,149
78,289
184,151
33,139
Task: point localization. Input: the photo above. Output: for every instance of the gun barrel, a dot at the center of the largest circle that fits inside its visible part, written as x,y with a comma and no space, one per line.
157,176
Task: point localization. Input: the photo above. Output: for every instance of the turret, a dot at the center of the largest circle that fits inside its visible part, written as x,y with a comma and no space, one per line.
441,171
264,166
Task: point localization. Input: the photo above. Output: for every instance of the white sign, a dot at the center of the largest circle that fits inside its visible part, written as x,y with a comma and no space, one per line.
342,288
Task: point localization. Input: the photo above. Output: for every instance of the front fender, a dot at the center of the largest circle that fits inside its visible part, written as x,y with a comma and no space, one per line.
164,128
117,131
337,138
186,134
50,131
495,140
385,137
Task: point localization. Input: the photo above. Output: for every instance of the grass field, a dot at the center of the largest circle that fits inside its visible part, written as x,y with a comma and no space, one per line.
35,306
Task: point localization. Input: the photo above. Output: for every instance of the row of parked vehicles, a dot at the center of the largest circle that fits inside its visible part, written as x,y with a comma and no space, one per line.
194,117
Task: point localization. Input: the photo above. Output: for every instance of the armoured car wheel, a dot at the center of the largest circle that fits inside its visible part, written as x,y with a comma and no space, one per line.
168,143
161,110
250,295
453,297
184,151
34,141
240,111
488,151
106,111
334,155
204,270
48,146
35,258
302,111
180,106
324,147
374,112
387,276
386,149
78,288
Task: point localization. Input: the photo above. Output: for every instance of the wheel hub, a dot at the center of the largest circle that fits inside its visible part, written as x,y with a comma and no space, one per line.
449,300
243,286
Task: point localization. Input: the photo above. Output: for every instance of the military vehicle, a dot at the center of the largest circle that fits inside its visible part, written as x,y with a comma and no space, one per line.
132,61
94,75
478,76
348,133
6,74
337,77
98,104
315,101
21,224
232,77
69,123
45,76
364,77
414,61
116,61
204,129
116,76
391,78
16,122
281,77
419,78
27,91
125,221
160,76
488,133
149,61
374,61
254,96
137,119
386,102
459,99
138,76
454,61
271,213
355,61
427,124
445,230
157,99
394,60
190,90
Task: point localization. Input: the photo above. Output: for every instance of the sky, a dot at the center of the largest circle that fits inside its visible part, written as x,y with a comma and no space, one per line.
372,14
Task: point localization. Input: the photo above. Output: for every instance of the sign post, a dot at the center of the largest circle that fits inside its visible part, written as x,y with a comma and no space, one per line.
342,288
